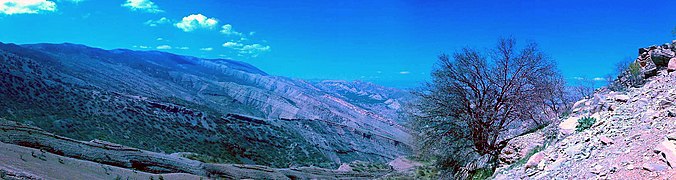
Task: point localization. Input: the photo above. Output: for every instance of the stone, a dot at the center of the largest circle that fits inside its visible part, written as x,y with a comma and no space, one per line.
622,98
671,113
654,167
605,140
630,167
344,168
597,169
578,105
556,164
663,103
534,160
568,126
671,137
648,68
661,56
672,65
667,151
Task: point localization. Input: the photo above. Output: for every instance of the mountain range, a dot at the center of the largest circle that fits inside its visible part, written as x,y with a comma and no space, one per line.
215,110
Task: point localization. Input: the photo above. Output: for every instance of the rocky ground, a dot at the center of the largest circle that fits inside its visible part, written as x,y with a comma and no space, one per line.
634,135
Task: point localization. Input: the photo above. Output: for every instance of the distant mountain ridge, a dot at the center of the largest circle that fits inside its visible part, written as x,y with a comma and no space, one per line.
226,110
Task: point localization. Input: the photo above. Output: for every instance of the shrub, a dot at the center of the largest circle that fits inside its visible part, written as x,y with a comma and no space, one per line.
426,172
630,76
360,166
483,173
585,123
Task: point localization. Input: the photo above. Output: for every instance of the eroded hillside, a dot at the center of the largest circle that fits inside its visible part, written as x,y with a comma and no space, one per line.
226,111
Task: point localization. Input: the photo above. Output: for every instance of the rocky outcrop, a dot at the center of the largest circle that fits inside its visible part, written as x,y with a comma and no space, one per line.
633,136
650,60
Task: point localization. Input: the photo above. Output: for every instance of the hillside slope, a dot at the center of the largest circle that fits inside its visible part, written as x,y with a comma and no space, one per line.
228,111
49,156
633,137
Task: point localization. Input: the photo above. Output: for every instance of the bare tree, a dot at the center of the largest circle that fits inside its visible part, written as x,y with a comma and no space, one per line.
584,87
475,97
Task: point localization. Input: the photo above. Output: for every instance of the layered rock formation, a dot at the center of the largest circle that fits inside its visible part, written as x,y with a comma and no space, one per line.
126,157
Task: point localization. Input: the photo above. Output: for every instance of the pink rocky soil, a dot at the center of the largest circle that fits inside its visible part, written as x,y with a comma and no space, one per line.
634,137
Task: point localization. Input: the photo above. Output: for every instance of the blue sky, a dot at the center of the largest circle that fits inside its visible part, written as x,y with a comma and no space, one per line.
393,43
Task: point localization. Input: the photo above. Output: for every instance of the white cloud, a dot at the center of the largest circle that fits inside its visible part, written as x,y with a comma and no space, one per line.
253,50
10,7
141,46
233,45
599,79
143,5
404,72
76,1
164,47
196,21
159,39
227,30
206,49
153,23
578,78
183,48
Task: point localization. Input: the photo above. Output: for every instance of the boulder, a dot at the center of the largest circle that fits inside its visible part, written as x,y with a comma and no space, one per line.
578,105
568,126
605,140
661,56
622,98
672,65
654,167
534,160
667,151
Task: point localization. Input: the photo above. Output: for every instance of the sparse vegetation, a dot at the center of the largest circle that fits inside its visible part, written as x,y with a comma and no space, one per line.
426,172
204,158
361,166
482,174
523,160
585,123
628,75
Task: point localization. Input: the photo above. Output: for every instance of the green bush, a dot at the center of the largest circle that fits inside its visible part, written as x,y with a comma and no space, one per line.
361,166
635,69
426,172
483,173
585,123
